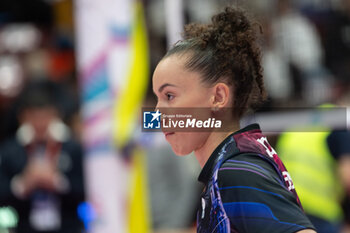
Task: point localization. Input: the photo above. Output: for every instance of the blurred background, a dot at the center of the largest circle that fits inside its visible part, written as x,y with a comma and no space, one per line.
74,76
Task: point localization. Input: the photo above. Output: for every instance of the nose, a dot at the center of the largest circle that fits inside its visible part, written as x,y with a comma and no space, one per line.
159,105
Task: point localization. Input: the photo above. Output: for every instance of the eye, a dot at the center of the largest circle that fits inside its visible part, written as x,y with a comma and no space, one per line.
169,96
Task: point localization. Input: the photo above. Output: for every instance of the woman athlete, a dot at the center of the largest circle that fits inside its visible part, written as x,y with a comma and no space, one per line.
247,188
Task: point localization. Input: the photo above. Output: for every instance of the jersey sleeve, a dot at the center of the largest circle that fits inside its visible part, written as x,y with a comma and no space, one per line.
256,200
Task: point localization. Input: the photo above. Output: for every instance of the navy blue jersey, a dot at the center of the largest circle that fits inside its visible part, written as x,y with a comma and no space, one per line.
248,189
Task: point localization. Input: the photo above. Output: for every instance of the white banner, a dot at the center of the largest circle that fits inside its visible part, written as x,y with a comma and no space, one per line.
103,48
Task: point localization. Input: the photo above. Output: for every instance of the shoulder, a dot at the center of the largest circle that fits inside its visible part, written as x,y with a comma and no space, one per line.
13,156
255,199
251,177
10,142
11,147
247,169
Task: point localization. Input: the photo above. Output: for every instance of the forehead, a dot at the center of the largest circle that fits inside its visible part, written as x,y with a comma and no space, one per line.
172,70
39,110
169,66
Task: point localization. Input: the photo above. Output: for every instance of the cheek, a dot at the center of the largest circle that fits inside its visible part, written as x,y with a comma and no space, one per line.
185,143
199,99
196,97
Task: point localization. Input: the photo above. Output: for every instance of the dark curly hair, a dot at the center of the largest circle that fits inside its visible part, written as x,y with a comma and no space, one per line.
226,50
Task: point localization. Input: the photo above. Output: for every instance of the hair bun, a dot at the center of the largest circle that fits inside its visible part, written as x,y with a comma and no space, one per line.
201,32
230,20
223,32
232,29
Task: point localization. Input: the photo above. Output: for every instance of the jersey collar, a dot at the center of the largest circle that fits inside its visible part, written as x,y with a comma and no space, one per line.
208,168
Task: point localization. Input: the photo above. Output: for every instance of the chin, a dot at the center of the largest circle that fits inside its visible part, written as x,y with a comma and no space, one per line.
181,151
185,143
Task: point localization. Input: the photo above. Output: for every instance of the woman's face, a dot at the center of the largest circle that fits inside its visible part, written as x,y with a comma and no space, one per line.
176,87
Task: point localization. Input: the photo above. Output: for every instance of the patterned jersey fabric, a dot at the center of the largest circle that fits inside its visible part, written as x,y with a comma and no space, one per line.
248,189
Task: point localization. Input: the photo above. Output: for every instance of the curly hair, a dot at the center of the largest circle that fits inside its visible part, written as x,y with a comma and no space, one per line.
226,50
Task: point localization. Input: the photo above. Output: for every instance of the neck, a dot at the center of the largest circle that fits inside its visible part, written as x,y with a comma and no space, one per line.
215,138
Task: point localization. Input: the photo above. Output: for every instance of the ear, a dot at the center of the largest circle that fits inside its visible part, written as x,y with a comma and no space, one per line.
221,96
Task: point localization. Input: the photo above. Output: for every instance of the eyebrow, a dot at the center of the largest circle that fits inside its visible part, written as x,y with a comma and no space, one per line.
160,89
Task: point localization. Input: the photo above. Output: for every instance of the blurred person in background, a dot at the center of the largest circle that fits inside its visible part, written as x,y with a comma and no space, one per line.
293,57
41,172
342,155
172,180
341,152
337,44
318,159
